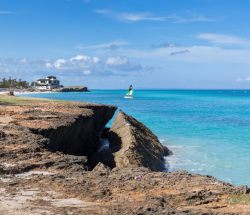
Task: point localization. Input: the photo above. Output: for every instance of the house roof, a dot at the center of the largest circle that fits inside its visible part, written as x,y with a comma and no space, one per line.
42,79
51,77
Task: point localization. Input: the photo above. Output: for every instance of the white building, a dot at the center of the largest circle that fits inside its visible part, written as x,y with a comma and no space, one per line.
48,83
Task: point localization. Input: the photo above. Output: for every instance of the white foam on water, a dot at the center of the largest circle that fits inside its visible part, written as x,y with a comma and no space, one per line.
104,144
196,170
175,162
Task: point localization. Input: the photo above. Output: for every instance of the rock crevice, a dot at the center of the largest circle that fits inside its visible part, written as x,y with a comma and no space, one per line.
79,134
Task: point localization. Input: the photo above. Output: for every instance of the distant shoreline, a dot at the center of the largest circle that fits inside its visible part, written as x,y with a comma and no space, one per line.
170,89
17,92
32,91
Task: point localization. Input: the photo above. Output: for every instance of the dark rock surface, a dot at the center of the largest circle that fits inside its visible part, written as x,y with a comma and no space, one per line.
134,145
2,134
74,89
75,133
53,134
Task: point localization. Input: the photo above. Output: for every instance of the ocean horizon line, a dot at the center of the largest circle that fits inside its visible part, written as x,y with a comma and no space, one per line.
211,89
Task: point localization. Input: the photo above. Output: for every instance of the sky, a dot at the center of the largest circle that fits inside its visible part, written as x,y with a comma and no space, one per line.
110,44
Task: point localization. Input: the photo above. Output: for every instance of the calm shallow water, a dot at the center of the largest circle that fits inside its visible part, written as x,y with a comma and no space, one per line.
208,130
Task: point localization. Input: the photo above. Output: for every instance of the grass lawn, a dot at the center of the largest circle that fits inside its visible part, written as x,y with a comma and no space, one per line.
12,100
15,100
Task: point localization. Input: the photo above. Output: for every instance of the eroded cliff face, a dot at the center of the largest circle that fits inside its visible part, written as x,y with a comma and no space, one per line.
45,148
78,133
50,134
132,144
135,145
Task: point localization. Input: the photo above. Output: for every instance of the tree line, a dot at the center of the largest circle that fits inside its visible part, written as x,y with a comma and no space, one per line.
13,83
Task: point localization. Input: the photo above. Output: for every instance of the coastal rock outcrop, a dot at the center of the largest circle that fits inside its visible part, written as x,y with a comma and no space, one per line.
78,132
36,178
134,145
74,89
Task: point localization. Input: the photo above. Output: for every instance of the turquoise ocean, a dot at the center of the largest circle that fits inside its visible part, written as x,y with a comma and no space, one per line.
207,130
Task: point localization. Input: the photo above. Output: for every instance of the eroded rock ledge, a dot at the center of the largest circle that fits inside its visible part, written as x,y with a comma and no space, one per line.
46,130
77,133
132,144
46,149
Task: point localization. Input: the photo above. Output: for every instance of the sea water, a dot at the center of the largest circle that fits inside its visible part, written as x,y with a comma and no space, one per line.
207,130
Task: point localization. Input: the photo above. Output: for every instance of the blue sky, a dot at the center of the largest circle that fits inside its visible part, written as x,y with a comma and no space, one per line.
110,43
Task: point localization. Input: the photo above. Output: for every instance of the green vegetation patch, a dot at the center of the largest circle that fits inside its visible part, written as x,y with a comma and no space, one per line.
239,199
13,100
13,83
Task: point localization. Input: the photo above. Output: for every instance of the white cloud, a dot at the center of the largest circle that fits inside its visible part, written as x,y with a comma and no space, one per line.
147,16
75,66
109,46
122,63
87,72
195,53
224,39
213,53
192,17
58,64
89,65
117,61
136,17
84,59
73,63
48,65
80,58
102,11
246,79
24,61
95,60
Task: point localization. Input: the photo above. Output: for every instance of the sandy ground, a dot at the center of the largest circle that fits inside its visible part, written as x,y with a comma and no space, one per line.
23,92
31,199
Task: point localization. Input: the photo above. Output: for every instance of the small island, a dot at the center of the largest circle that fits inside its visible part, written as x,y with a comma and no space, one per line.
74,89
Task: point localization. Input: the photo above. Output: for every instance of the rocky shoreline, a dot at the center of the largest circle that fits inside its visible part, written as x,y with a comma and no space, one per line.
51,162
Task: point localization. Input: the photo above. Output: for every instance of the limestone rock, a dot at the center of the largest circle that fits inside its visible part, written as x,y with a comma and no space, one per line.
101,169
134,145
77,133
